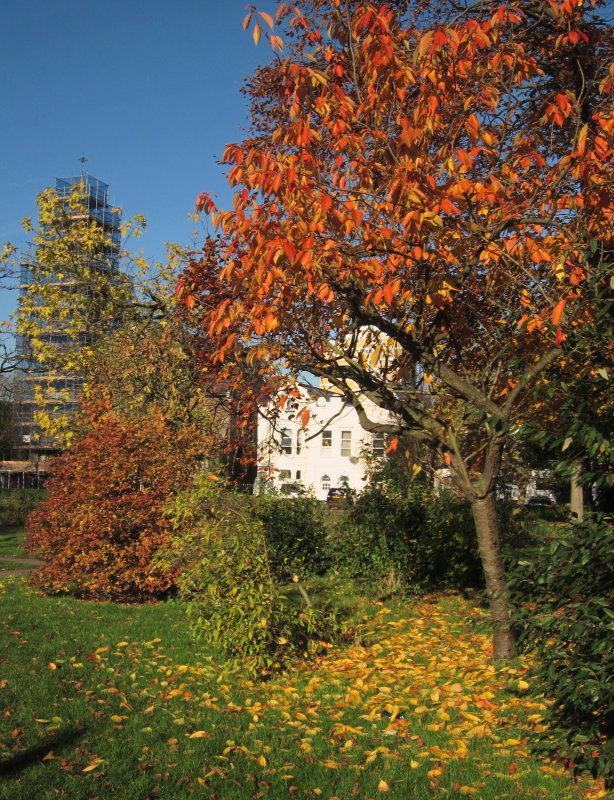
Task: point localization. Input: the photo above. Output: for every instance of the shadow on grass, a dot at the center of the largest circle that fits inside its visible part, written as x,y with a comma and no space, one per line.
33,755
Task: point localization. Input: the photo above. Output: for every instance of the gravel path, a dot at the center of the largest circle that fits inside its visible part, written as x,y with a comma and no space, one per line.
28,565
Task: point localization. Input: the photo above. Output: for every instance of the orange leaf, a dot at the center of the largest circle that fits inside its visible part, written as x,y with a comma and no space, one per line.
557,311
256,33
267,18
392,446
388,293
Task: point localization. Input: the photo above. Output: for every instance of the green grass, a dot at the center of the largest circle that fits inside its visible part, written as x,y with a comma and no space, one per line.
11,541
107,701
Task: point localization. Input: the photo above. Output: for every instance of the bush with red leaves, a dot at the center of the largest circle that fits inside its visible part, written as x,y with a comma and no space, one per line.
103,520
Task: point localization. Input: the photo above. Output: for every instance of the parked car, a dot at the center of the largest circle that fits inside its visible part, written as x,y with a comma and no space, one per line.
339,495
540,500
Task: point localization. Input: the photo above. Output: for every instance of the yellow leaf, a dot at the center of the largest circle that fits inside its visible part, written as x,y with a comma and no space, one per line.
52,665
50,755
523,684
414,764
467,790
118,718
44,721
382,786
93,765
200,735
262,761
122,644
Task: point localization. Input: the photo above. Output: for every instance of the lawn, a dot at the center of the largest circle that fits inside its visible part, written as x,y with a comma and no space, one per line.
107,701
11,542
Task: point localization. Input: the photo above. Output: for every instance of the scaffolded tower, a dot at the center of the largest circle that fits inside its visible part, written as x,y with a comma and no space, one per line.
35,380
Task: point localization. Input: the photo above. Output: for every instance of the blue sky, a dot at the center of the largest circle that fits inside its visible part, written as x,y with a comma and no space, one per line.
147,90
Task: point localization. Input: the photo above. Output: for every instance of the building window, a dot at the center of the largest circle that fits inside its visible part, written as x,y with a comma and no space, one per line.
378,444
346,443
325,480
286,442
299,442
344,481
327,438
298,474
284,475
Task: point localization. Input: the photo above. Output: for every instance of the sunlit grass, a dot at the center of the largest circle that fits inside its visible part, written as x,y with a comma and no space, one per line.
117,701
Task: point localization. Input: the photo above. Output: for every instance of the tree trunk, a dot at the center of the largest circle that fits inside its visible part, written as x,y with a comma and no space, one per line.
576,503
485,518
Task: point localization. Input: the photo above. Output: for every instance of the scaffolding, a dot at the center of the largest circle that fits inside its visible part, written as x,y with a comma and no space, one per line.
35,380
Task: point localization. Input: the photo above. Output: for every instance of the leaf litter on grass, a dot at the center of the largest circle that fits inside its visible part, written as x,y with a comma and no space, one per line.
419,710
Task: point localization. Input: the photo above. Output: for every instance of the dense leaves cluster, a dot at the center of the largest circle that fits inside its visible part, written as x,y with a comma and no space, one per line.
413,542
564,585
295,531
230,578
103,520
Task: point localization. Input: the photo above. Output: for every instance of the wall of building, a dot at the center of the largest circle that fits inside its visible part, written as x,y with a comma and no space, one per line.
327,453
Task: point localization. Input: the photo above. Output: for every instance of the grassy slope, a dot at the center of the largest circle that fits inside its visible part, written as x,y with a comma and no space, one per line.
112,701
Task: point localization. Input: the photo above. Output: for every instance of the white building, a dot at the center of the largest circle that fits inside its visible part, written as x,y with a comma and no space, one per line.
326,453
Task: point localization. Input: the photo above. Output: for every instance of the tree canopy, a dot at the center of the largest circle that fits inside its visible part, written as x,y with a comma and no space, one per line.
424,196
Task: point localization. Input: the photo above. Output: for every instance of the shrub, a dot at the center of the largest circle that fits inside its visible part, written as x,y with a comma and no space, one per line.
401,537
295,531
103,521
227,581
17,504
564,589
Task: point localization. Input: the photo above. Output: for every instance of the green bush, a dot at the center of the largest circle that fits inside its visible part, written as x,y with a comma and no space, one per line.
228,584
17,504
413,538
295,532
564,590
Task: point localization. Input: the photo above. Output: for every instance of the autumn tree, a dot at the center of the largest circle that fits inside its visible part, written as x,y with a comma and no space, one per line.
433,175
103,521
79,286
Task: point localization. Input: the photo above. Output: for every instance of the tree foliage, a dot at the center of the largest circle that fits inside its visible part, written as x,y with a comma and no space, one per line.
424,197
103,520
80,289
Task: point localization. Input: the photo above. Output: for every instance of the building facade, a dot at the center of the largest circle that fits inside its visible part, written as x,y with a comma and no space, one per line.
329,452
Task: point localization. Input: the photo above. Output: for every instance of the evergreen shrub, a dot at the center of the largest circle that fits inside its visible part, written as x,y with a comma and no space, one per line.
563,585
295,531
401,534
